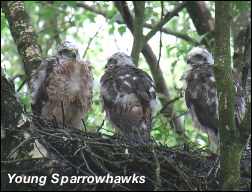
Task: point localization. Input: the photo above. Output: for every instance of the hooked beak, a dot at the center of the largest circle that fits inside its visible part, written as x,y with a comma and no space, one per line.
106,66
74,54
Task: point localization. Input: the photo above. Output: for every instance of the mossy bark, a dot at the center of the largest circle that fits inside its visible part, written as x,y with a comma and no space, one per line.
230,142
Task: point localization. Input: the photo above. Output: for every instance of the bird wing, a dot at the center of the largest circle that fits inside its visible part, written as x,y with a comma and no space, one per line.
201,96
40,81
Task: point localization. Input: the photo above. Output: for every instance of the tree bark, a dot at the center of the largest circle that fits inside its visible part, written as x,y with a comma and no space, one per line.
23,35
246,70
202,21
138,30
11,111
156,71
246,83
238,28
230,143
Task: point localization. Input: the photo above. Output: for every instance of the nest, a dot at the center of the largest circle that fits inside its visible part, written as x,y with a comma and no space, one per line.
74,153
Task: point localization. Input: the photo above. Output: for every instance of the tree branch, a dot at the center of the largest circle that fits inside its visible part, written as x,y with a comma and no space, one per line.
155,69
246,83
245,127
166,18
10,106
90,41
246,70
230,136
138,30
202,21
238,30
11,111
147,25
23,35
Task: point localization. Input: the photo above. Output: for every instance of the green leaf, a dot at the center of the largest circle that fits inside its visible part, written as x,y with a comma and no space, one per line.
3,21
91,18
122,30
175,135
200,37
71,3
240,6
112,12
148,13
27,3
111,30
173,66
48,12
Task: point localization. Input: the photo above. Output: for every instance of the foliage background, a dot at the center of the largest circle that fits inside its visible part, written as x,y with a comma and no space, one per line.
98,37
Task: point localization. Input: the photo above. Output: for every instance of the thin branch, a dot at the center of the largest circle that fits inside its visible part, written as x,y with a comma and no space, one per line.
166,18
90,41
158,180
116,42
169,102
147,25
17,147
22,84
245,126
63,113
175,33
160,38
85,127
51,26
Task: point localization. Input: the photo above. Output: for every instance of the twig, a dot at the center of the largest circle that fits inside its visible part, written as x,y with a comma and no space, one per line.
83,122
22,84
100,126
17,147
83,157
116,42
147,25
158,180
166,18
55,121
160,38
63,113
168,103
90,41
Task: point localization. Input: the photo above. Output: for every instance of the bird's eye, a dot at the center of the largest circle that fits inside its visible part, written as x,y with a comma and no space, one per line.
112,61
199,56
62,51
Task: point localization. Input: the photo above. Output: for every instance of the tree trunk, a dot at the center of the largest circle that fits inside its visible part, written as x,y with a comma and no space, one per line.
230,143
11,111
23,35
